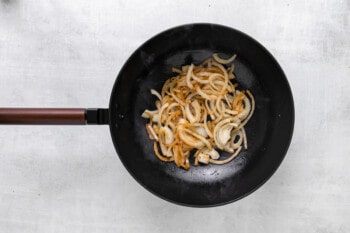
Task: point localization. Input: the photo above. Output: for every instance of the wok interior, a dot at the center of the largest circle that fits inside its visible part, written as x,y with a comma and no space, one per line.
204,185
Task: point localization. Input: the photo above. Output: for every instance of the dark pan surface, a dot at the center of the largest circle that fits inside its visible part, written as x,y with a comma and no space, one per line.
269,131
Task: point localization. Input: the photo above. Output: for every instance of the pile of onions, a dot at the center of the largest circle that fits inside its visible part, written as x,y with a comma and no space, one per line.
200,109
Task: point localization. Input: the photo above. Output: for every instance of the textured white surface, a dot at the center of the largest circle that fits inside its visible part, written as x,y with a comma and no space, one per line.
69,179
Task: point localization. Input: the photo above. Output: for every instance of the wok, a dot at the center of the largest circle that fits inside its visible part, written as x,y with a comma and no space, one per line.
269,131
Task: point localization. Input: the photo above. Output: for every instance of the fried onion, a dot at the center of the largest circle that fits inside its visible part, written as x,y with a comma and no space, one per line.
200,109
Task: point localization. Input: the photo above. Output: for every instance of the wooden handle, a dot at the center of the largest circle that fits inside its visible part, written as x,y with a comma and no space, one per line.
42,116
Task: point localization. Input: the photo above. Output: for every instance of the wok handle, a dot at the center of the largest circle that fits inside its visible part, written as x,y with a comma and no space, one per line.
53,116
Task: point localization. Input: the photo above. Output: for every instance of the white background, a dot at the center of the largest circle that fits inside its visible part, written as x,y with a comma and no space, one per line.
69,179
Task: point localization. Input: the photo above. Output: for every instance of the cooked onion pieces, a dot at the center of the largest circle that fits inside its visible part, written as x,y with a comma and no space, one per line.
200,109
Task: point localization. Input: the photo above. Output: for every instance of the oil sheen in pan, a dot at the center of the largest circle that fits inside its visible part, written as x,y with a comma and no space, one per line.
202,173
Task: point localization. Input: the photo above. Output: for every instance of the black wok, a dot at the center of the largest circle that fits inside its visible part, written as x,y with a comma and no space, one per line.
269,131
